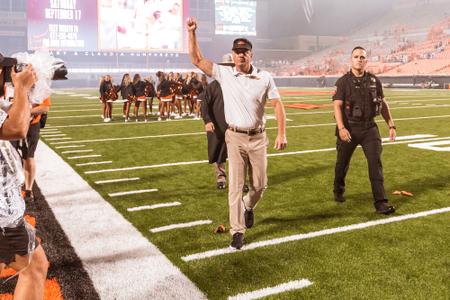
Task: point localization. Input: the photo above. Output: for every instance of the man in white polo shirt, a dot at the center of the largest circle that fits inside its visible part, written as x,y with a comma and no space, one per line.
245,92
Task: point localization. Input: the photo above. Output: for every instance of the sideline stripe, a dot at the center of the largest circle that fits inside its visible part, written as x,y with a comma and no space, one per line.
84,156
181,225
70,146
132,192
284,287
77,151
159,205
94,163
116,180
303,236
268,155
76,206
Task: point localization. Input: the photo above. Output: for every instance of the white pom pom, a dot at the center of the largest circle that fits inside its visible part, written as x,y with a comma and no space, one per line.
44,65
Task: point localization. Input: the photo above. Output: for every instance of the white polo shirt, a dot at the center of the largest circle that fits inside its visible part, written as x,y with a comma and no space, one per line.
245,95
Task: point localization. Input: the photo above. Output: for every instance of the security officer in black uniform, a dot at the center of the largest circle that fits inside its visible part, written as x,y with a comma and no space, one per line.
358,100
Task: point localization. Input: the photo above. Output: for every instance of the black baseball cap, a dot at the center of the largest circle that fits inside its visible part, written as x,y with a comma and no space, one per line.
242,43
7,61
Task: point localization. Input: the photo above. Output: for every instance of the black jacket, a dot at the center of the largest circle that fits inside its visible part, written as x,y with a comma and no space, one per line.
139,88
213,111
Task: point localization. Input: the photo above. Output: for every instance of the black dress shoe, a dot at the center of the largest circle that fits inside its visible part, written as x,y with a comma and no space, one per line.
221,185
384,208
339,197
238,241
249,218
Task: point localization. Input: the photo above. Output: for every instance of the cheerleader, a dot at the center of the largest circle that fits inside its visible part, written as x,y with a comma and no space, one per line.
150,93
185,92
139,93
165,96
178,95
105,86
126,91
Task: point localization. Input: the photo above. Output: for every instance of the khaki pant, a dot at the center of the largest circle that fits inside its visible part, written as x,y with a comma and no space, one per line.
219,170
245,151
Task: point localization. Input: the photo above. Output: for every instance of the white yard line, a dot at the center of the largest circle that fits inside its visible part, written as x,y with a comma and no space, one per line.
181,225
77,151
58,139
154,206
132,192
79,95
148,167
53,135
105,241
70,146
85,156
203,133
117,180
184,163
309,235
94,163
281,288
72,110
138,137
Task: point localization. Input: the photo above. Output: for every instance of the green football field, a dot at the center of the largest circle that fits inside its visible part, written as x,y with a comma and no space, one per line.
345,250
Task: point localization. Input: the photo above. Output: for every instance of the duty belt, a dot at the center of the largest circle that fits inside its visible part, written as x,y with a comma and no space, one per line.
365,124
253,131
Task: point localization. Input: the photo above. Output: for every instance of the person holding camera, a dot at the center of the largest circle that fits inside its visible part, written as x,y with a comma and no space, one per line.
19,248
28,146
358,99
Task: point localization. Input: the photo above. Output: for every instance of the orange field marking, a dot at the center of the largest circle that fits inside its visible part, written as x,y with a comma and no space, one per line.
292,92
31,220
306,105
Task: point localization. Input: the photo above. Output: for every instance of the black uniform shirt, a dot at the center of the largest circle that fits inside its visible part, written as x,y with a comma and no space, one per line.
346,86
126,90
164,88
139,88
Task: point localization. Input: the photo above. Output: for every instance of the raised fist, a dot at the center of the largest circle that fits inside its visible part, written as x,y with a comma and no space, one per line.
191,24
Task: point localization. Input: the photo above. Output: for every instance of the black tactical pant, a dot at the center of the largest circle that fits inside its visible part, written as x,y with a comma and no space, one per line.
368,136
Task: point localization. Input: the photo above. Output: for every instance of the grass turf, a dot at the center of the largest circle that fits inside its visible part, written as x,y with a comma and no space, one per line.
404,260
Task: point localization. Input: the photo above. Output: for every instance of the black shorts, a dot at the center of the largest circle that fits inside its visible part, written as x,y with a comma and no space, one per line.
15,241
27,149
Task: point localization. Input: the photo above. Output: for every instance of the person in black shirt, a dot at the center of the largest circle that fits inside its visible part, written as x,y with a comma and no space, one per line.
126,91
105,86
165,96
149,92
139,93
357,101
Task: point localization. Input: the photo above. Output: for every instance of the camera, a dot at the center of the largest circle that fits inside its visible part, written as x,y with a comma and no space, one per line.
7,63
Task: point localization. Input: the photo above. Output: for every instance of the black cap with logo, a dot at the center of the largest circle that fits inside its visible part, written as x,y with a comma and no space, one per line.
242,43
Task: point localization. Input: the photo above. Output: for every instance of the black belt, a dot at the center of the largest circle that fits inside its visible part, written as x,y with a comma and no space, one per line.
366,124
248,131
